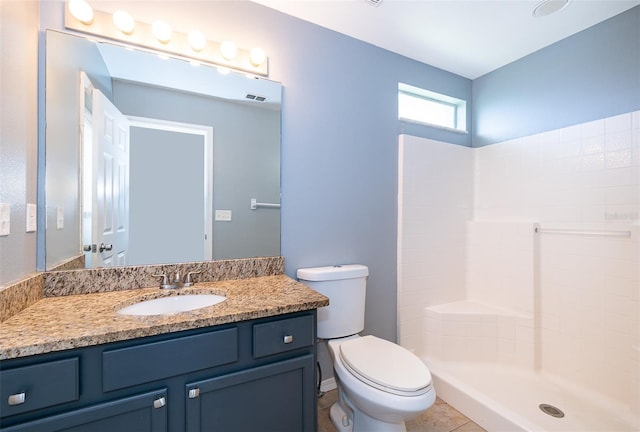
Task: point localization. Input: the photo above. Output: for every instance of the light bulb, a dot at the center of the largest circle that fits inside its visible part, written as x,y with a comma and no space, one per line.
257,56
81,11
161,31
197,41
229,50
124,21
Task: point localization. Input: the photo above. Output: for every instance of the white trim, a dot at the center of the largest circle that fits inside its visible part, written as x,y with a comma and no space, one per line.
207,134
433,125
328,384
85,121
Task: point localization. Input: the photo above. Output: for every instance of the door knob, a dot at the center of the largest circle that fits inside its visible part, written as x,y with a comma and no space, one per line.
104,247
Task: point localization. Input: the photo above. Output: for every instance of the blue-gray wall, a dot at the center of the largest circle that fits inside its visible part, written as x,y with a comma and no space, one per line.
339,136
588,76
340,149
340,127
18,133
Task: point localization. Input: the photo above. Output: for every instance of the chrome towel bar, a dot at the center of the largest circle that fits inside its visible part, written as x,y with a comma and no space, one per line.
255,204
584,232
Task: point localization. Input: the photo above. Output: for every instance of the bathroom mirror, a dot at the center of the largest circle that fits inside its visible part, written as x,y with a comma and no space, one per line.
203,146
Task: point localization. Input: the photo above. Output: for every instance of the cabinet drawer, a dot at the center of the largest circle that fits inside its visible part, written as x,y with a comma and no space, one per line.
38,386
282,335
140,413
144,363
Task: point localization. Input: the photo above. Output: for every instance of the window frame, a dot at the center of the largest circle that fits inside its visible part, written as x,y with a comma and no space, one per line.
459,116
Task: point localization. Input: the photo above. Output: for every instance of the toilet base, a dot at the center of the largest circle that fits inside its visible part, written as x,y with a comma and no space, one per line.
339,418
360,422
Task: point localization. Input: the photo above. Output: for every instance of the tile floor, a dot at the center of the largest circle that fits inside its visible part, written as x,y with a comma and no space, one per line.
441,417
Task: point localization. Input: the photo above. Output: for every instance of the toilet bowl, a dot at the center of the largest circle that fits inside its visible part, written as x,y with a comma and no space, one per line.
381,385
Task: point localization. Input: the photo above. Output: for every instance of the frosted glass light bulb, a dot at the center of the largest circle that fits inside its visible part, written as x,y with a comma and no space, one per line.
197,40
124,21
81,11
229,50
257,56
161,31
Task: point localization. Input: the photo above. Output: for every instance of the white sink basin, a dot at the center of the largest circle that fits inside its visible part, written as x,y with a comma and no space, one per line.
172,304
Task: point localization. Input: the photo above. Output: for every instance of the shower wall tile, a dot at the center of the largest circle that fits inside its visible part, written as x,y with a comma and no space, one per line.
472,331
582,322
500,264
579,175
435,201
582,177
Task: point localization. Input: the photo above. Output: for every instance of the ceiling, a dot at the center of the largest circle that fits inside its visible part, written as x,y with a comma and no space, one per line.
467,37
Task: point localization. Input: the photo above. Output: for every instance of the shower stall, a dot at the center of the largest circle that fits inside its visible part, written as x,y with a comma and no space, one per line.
519,275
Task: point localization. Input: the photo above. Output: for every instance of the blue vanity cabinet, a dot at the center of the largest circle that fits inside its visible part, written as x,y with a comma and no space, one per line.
255,375
278,396
141,413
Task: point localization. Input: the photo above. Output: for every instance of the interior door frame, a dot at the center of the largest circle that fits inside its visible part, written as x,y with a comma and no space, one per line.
206,132
85,134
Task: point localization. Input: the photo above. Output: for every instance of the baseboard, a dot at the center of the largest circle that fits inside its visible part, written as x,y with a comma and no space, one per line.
328,384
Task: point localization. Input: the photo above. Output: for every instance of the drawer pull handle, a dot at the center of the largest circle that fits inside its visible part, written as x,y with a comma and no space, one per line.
288,339
17,399
159,403
194,393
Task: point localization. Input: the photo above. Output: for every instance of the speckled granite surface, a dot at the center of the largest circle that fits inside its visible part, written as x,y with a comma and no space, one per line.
65,322
126,278
19,295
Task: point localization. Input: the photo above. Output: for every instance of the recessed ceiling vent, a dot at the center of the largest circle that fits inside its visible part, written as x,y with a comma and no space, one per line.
374,2
548,7
255,97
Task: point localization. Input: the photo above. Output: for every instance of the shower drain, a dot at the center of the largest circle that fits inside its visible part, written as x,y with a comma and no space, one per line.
551,410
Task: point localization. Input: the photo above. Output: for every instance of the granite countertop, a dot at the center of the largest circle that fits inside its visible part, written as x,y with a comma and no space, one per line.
73,321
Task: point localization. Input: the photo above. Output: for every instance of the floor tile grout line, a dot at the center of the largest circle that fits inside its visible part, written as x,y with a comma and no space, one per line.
458,427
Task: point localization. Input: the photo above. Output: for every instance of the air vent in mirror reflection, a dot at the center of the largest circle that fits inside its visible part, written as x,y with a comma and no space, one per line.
255,97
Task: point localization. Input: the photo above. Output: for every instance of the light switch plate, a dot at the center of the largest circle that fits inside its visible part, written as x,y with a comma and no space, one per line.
5,219
223,215
59,218
32,210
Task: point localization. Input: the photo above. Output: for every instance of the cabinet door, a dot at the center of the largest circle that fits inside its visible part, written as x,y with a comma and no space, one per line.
145,412
279,397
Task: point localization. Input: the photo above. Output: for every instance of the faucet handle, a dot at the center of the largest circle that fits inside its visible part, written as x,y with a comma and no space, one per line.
165,281
187,281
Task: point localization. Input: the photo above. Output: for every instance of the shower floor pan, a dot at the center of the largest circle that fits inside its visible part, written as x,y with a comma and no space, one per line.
504,398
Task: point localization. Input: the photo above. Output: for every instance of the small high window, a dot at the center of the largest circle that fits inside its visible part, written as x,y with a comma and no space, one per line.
431,108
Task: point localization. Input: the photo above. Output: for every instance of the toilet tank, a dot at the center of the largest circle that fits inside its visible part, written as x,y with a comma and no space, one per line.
345,285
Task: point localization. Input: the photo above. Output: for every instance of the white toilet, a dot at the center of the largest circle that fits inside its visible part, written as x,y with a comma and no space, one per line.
380,384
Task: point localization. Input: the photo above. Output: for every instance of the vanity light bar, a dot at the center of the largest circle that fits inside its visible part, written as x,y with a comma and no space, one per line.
103,26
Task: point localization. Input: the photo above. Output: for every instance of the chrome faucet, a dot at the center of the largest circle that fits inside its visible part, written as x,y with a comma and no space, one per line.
177,281
188,281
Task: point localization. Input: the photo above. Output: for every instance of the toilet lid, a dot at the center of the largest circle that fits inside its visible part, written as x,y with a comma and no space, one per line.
385,365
